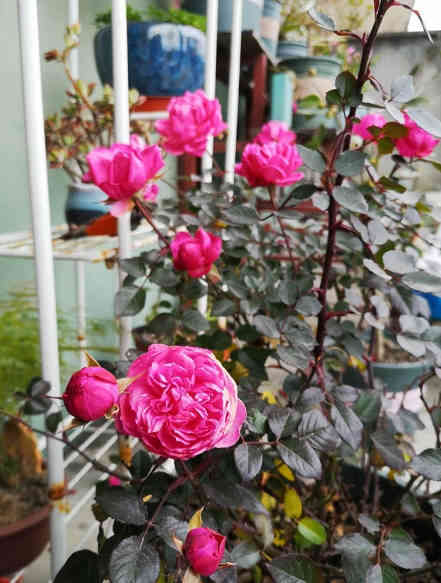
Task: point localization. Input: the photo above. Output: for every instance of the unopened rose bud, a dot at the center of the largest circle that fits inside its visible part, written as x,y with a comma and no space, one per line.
204,549
90,393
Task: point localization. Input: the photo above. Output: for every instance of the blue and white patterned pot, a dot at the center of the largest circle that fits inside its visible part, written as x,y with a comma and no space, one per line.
84,203
164,59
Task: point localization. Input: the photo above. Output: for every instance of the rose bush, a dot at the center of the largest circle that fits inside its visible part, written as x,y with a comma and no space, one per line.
181,403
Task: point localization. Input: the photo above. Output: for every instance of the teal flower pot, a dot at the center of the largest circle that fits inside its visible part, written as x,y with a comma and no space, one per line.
400,376
84,203
287,49
304,66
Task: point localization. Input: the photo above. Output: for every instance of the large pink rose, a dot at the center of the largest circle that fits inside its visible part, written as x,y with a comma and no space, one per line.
368,121
204,549
272,163
122,170
181,403
275,131
192,118
418,143
195,255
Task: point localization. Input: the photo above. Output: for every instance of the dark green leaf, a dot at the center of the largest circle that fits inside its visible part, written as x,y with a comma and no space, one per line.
223,307
390,575
38,387
129,301
375,574
245,555
164,277
333,97
266,326
241,215
301,458
163,325
194,289
248,460
312,159
283,569
231,495
318,432
308,306
171,523
428,464
368,406
278,419
387,447
351,199
80,566
134,561
37,406
422,281
53,420
409,504
355,544
322,20
347,424
390,183
303,191
350,163
346,85
122,504
219,340
195,321
141,464
293,356
134,266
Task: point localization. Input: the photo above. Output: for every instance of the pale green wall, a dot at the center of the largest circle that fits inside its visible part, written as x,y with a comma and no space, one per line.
14,204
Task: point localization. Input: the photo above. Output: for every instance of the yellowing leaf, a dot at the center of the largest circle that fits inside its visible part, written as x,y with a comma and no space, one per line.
268,501
284,470
357,363
196,519
292,504
279,538
269,397
90,360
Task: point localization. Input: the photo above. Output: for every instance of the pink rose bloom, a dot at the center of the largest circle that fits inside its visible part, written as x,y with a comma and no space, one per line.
275,131
418,143
114,481
204,549
192,119
121,170
272,163
90,393
366,122
195,255
181,403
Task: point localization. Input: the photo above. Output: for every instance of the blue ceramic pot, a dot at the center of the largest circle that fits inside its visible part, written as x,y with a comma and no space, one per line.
270,26
251,14
287,49
84,203
164,59
434,304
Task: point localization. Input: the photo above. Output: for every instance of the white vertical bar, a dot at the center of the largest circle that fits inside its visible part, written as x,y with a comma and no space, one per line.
233,90
210,76
80,284
74,18
122,132
41,226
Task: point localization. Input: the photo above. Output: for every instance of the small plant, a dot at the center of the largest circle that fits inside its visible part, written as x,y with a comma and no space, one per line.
103,19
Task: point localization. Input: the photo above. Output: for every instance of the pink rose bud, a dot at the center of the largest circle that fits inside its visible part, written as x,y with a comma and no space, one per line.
295,107
192,118
114,481
181,403
195,255
418,143
368,121
275,131
204,549
90,393
272,163
122,170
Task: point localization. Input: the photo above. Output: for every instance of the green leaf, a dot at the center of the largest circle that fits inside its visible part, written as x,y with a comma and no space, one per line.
266,326
312,530
347,424
402,89
164,277
322,20
241,215
425,120
232,495
308,306
436,518
301,458
303,191
219,340
368,406
122,504
346,85
248,460
293,356
278,419
134,266
141,464
37,406
134,561
312,159
390,575
390,183
351,199
195,321
129,301
171,523
38,387
317,431
428,464
405,554
355,544
422,281
350,163
245,555
395,130
53,420
284,569
223,307
80,566
194,289
374,574
399,262
387,447
372,525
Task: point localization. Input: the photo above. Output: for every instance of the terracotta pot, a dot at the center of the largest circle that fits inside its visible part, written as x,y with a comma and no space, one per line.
23,541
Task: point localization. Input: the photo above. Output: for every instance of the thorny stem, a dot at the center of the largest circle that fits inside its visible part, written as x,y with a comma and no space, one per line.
272,193
148,218
342,144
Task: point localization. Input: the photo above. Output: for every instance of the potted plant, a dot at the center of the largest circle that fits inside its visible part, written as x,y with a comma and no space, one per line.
251,15
82,124
166,51
282,469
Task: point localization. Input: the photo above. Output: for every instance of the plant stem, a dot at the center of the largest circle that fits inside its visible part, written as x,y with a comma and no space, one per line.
148,218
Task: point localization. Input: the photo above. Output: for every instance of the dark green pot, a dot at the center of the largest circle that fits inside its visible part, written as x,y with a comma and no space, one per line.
327,67
400,376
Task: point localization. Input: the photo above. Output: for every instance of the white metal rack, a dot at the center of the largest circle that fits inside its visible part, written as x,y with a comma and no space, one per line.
44,246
